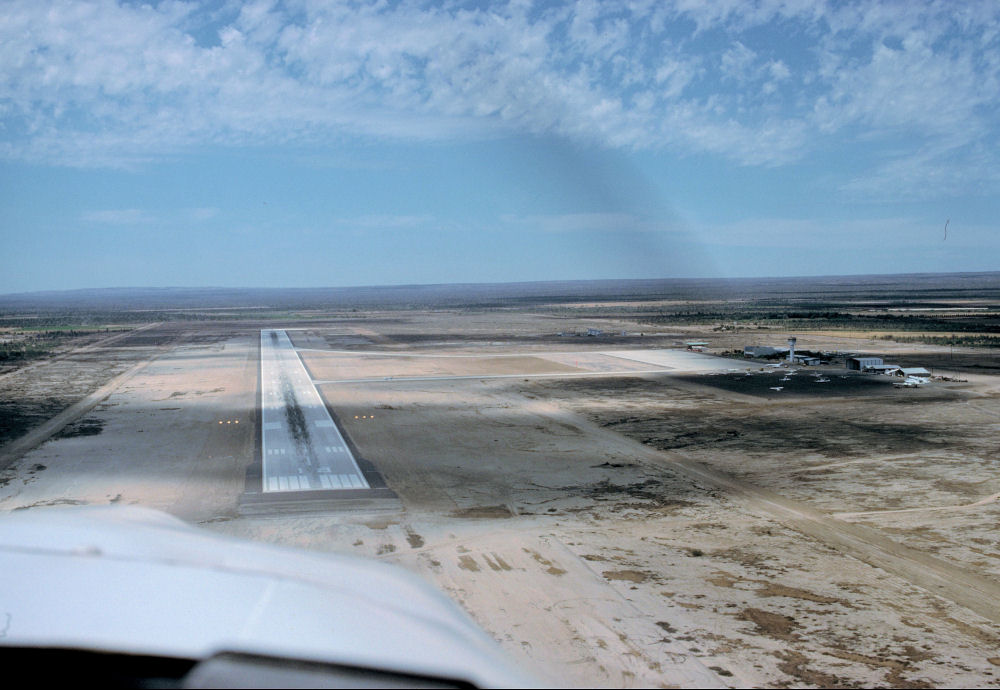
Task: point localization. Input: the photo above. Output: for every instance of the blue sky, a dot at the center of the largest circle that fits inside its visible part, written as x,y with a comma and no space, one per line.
309,143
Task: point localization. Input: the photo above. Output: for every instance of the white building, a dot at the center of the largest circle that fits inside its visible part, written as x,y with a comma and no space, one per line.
807,360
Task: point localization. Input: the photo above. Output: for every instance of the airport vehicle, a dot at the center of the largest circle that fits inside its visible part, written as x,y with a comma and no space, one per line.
134,597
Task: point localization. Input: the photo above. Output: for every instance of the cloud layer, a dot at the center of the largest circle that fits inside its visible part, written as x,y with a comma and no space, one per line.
108,83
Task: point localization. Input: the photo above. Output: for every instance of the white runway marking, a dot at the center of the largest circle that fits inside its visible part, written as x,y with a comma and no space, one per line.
302,449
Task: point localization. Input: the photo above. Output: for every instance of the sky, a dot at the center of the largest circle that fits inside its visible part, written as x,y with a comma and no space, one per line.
310,143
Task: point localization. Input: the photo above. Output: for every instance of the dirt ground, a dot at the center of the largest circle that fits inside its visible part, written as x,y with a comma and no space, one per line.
620,529
333,367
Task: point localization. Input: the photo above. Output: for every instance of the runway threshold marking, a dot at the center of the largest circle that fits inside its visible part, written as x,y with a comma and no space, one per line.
301,447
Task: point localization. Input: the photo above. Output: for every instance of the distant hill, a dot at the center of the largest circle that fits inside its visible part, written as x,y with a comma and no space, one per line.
882,287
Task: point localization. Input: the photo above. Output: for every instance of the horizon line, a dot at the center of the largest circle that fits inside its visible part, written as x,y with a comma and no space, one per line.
496,283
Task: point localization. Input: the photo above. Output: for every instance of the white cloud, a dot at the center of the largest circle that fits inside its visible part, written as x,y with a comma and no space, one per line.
385,221
738,61
202,214
929,171
788,246
117,216
779,70
913,86
111,83
137,216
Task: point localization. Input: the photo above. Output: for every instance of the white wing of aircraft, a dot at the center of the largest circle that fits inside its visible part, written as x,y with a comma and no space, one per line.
132,596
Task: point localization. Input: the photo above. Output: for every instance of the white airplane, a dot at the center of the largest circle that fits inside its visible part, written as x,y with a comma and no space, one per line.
822,380
787,378
776,388
911,382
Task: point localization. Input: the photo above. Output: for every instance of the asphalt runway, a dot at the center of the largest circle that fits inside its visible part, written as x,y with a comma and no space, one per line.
302,448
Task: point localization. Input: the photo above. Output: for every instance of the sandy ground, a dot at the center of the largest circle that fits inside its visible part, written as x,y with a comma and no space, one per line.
346,367
632,530
156,440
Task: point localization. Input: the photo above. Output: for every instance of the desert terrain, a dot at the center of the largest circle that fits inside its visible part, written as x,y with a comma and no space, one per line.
614,509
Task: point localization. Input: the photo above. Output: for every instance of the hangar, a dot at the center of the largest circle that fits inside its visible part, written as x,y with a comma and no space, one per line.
916,372
862,363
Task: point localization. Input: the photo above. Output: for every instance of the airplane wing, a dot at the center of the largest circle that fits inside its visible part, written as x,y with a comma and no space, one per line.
133,588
